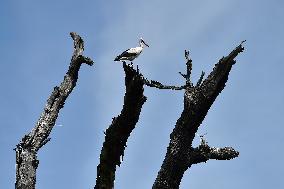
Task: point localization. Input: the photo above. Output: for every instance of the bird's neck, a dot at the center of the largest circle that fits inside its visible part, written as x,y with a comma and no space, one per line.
141,44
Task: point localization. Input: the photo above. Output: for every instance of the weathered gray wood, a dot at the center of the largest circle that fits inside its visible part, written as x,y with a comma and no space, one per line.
26,150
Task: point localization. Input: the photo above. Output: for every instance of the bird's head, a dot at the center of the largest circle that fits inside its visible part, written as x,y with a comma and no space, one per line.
142,42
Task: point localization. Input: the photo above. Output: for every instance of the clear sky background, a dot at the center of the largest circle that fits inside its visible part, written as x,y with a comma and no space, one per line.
35,50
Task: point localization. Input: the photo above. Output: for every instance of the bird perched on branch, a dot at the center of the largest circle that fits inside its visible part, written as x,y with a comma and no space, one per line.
132,53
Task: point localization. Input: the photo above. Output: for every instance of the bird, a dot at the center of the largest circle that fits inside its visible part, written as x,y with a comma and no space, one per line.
132,53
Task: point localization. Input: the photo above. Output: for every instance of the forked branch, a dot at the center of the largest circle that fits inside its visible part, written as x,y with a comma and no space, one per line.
26,150
197,101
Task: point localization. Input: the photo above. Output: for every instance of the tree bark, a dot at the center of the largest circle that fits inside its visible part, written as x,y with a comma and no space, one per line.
26,150
120,129
197,101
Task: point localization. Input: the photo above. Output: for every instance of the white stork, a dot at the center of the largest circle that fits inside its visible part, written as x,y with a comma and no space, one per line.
132,53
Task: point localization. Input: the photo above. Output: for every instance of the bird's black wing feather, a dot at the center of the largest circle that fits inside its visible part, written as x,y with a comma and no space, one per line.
124,54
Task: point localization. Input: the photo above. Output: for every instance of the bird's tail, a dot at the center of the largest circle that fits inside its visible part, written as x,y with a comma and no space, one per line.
117,58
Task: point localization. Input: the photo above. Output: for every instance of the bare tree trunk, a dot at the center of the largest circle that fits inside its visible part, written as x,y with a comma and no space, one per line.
120,129
197,101
26,150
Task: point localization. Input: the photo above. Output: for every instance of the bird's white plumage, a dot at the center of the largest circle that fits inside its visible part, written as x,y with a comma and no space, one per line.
132,53
136,50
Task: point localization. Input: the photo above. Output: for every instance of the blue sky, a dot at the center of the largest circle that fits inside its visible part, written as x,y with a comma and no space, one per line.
35,53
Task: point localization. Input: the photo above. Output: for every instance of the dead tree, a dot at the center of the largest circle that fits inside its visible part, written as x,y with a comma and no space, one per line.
26,150
197,101
180,152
